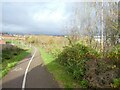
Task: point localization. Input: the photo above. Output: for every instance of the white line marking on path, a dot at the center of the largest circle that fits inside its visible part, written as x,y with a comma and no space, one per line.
17,69
25,75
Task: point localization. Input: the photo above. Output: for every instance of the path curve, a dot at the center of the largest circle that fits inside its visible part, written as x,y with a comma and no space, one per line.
37,74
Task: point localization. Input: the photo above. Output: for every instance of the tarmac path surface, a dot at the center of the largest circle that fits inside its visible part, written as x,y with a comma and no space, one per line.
30,73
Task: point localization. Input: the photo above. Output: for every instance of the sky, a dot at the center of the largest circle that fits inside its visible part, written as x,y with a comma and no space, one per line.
41,17
35,18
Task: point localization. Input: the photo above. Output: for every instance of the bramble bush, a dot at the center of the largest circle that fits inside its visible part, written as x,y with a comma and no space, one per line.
88,67
74,58
114,56
10,52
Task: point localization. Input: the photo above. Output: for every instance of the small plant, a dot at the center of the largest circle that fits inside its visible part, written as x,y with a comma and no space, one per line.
116,83
84,83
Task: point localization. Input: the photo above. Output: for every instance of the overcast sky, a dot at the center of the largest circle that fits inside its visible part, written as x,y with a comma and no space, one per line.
38,18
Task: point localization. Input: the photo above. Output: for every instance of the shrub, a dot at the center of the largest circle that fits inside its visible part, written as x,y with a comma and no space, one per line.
102,71
8,42
74,58
55,52
114,55
87,66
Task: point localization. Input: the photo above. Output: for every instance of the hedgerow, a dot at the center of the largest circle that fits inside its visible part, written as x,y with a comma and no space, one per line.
74,58
88,67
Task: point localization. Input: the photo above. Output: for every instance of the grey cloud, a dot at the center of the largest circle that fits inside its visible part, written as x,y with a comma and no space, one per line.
14,28
17,17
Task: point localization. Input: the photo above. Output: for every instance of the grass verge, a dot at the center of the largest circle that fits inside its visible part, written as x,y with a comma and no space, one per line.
58,71
10,58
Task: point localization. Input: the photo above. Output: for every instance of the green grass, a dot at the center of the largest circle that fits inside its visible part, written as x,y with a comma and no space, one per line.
11,57
8,64
58,71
